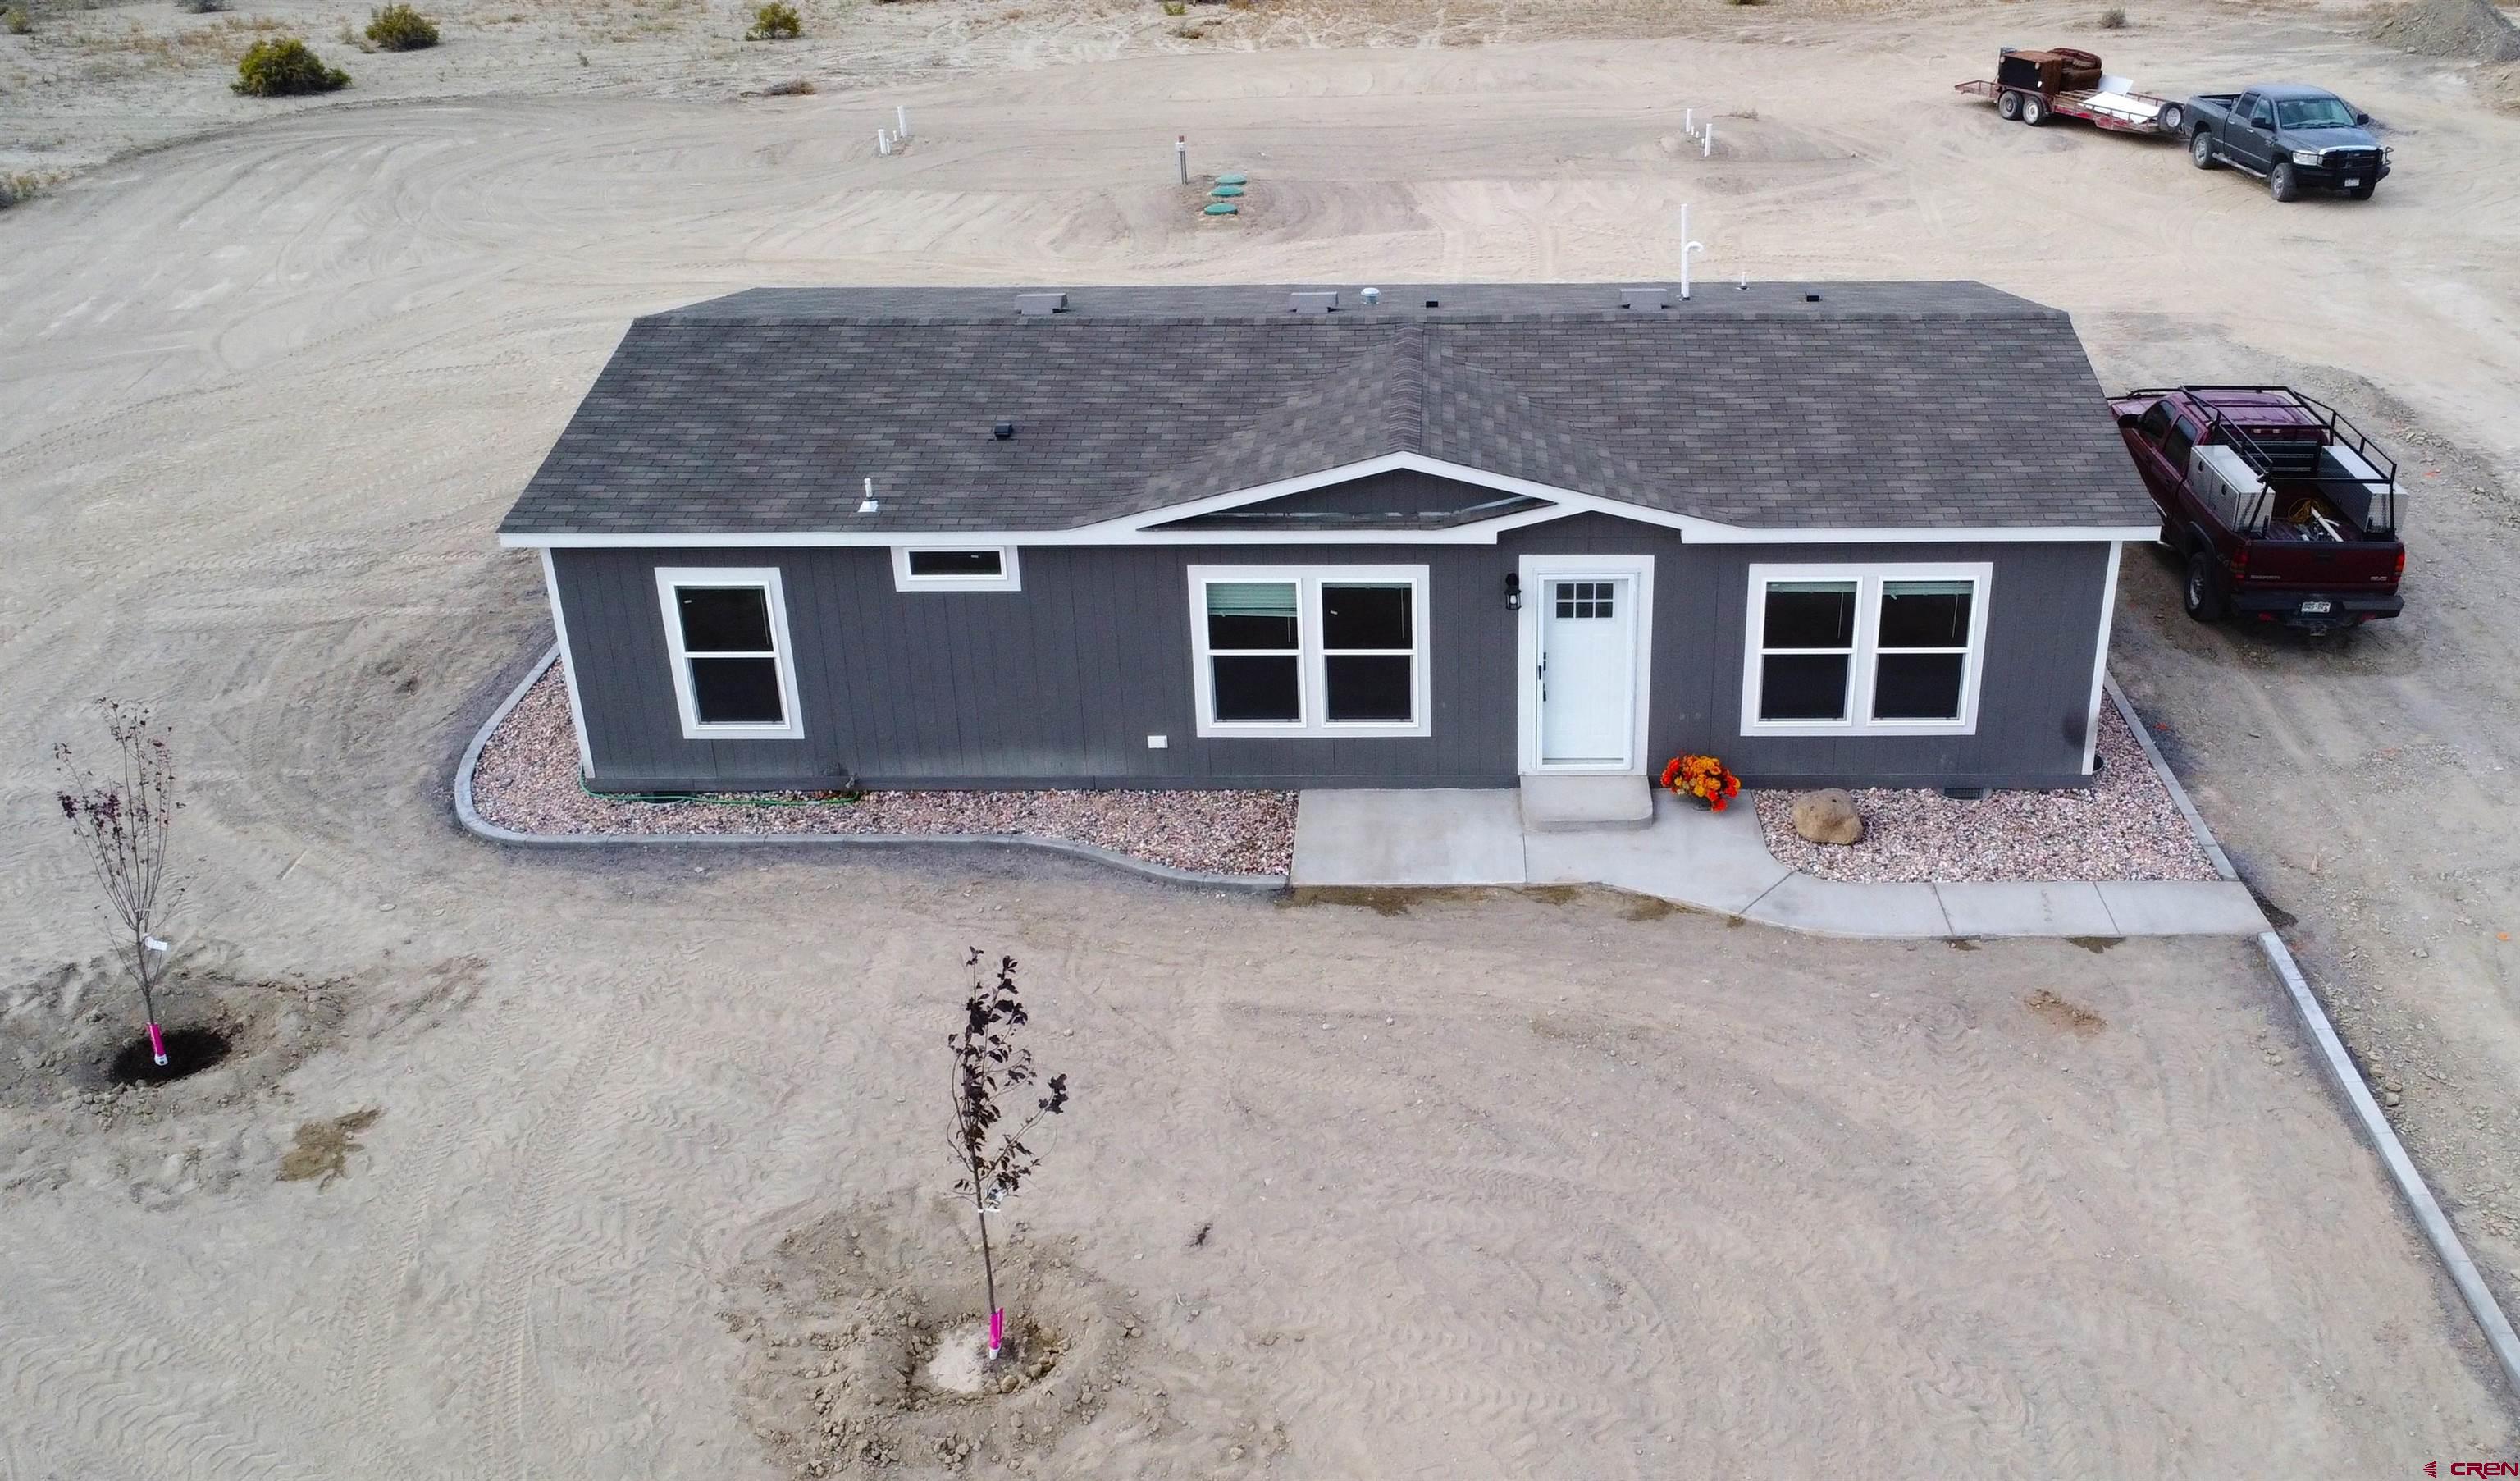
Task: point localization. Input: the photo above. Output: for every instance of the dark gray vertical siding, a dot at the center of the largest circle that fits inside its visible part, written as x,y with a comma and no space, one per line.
1061,684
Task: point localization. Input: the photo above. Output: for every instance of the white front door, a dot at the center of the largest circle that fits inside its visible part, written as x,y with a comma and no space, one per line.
1587,672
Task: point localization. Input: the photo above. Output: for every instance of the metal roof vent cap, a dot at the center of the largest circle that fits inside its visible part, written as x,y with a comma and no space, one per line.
1325,302
1810,295
1031,305
1645,297
1003,430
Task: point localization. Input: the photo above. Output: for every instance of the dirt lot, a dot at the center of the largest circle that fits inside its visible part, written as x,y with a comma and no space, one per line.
265,397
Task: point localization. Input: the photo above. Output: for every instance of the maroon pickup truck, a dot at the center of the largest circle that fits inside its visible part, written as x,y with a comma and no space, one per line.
2282,512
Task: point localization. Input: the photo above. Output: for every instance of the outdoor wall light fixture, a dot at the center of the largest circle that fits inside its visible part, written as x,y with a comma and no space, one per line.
1514,591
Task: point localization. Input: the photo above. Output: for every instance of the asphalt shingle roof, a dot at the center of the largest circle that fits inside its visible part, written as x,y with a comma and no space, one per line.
1878,405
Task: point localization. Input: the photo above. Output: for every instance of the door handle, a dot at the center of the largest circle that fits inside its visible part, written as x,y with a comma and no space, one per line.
1541,674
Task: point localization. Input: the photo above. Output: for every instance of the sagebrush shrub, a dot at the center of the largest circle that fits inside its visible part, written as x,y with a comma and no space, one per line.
775,22
16,19
284,66
2113,20
400,28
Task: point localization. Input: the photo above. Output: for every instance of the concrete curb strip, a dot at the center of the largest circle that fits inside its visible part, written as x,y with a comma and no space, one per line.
2427,1211
473,822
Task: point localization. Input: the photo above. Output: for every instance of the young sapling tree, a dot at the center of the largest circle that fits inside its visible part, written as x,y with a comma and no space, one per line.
989,1064
121,822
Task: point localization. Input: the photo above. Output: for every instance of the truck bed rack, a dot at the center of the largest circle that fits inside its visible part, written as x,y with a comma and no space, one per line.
2346,469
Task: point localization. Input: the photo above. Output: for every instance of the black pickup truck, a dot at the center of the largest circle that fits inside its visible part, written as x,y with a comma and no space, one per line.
2299,137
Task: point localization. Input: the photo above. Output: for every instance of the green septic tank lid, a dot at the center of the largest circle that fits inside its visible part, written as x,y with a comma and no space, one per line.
1226,191
1220,208
1232,180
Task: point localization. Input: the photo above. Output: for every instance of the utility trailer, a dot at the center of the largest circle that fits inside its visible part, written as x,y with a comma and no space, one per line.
2031,86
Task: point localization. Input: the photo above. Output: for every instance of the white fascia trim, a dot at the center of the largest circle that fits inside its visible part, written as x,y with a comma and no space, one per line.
1861,662
1010,577
1139,528
1534,571
567,669
2100,660
1312,684
783,654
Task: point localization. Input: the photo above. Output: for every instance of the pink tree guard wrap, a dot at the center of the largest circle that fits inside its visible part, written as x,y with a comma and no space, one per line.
156,1044
997,1331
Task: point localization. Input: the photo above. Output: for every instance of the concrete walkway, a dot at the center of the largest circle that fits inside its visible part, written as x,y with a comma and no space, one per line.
1717,862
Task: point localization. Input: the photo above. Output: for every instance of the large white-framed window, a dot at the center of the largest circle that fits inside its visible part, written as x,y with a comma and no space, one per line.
1893,649
726,638
956,568
1317,651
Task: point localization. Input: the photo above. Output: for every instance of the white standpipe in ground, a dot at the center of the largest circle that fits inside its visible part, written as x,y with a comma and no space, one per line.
1181,156
882,142
900,121
1685,247
1710,138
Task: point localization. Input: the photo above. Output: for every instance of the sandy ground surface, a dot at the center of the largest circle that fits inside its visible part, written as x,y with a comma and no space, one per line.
265,397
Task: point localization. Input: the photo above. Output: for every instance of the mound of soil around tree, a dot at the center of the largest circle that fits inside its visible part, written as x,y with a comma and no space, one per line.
76,1034
2471,30
867,1352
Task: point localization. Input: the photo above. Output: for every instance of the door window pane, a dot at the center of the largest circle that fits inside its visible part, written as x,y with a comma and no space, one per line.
1364,616
1924,613
957,562
1257,688
1803,687
1810,615
1369,687
1577,600
724,619
736,691
1917,687
1250,615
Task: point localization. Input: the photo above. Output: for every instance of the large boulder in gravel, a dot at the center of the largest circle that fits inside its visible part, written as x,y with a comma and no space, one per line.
1829,817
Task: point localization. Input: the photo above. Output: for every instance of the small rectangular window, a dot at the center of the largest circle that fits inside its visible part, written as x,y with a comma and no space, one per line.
1923,650
1806,649
1253,642
1366,650
958,562
725,635
956,568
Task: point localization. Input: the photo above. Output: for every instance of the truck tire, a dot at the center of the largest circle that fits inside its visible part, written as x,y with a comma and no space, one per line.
2202,592
2034,109
2283,183
2008,106
2200,148
2171,117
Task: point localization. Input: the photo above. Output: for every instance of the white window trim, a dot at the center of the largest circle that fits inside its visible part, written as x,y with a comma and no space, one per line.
1868,580
1010,577
670,578
1534,571
1310,684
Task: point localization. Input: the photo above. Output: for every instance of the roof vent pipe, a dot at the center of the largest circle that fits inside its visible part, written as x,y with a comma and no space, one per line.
1686,247
867,505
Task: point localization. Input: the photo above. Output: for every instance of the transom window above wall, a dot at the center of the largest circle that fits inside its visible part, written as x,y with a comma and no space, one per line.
725,635
1310,650
1864,649
956,568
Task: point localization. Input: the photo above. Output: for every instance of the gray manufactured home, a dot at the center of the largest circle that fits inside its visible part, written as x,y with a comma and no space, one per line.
1845,533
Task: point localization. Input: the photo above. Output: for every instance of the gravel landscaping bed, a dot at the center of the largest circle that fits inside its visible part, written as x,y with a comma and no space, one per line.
526,779
2122,827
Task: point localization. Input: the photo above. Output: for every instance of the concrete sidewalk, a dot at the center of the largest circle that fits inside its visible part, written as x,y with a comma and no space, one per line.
1717,862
